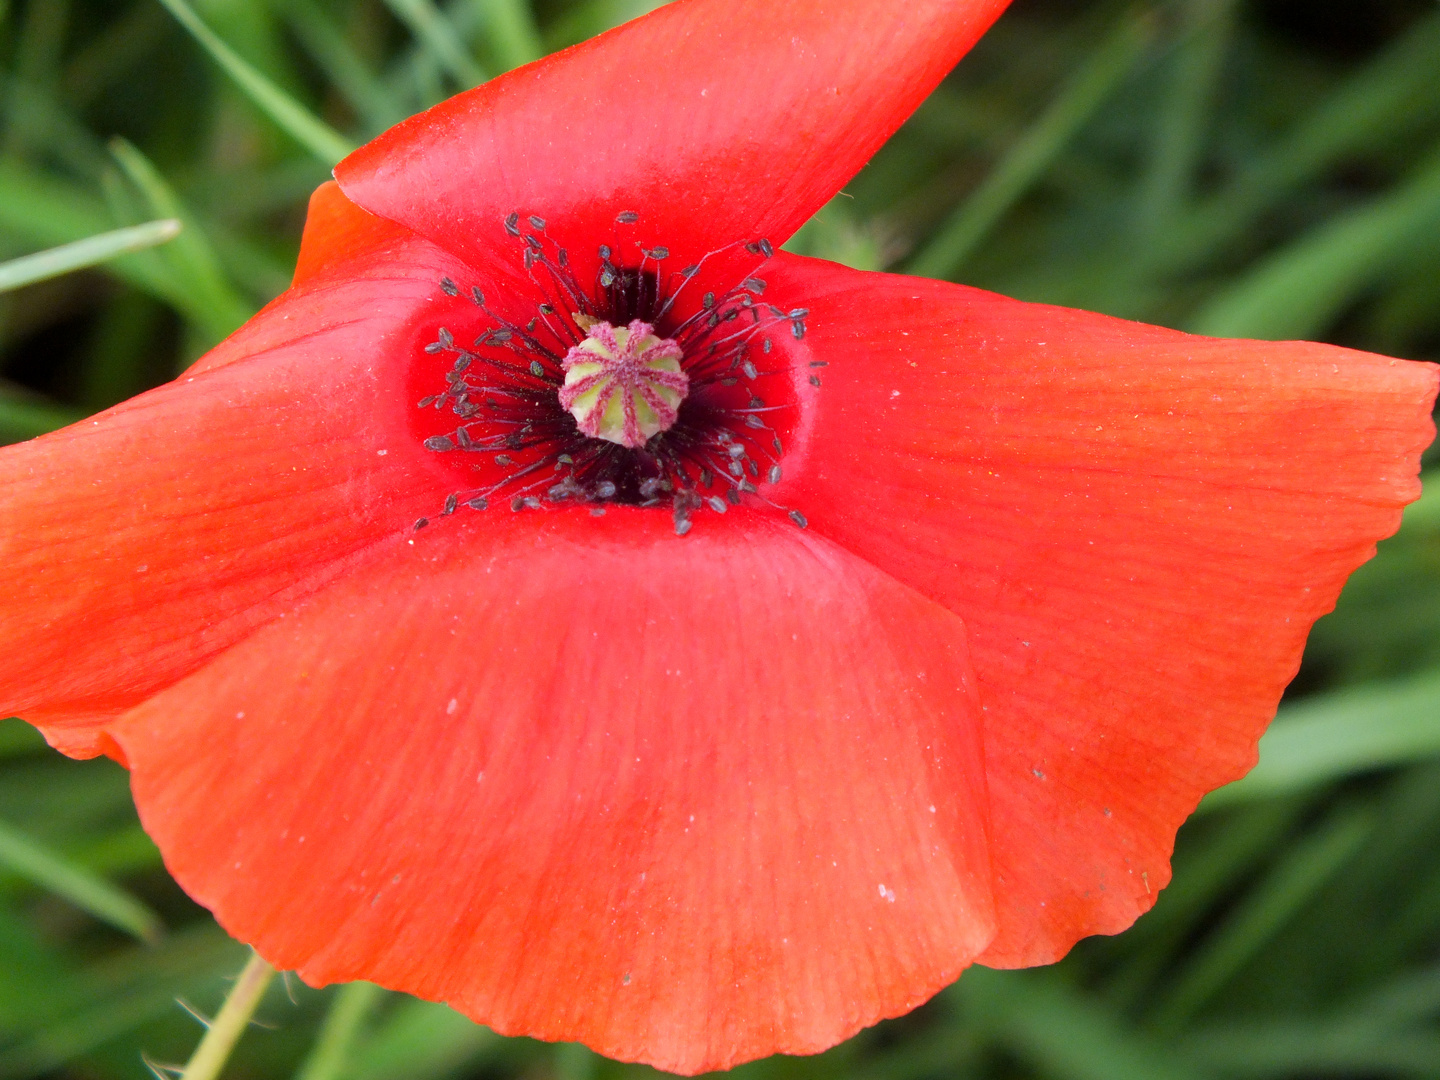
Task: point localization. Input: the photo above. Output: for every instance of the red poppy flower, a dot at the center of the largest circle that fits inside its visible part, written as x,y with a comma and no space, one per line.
782,639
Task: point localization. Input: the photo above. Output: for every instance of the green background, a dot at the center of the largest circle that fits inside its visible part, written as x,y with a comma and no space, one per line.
1263,168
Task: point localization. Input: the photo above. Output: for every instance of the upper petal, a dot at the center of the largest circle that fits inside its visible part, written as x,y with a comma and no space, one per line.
690,801
1138,527
144,540
716,120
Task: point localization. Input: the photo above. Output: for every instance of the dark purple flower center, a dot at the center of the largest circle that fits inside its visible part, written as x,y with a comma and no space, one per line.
631,391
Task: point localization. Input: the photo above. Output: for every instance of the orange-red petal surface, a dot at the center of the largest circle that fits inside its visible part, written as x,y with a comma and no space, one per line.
1138,527
715,120
160,532
691,801
337,231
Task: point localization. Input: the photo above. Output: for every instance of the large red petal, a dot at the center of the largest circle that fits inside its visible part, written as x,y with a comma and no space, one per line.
688,801
1138,527
716,120
165,529
337,231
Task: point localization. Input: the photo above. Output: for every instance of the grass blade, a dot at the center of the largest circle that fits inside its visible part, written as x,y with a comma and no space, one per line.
1181,121
1046,1023
1341,734
198,269
89,892
331,1057
1302,871
512,32
420,1040
433,30
44,265
1298,291
289,115
361,88
1027,160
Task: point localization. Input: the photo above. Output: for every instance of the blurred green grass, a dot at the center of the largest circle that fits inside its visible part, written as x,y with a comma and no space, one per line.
1260,168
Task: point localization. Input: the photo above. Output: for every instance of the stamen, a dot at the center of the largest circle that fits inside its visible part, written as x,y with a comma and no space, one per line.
595,393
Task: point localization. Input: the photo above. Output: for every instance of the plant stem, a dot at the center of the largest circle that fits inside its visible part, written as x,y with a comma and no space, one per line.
234,1016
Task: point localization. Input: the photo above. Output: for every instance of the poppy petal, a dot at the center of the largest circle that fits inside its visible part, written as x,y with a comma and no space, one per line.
646,119
337,231
1138,527
168,527
688,801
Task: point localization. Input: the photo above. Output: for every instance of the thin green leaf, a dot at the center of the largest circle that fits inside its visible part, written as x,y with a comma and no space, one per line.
197,268
288,114
1393,95
21,418
1042,1021
36,63
420,1040
434,31
89,892
362,89
1181,119
1298,291
1340,734
510,26
333,1054
1298,876
118,996
969,225
44,265
18,738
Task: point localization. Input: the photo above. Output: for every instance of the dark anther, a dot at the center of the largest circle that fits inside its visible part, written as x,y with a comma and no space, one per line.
537,222
512,224
421,524
629,217
766,249
449,287
755,284
439,443
799,518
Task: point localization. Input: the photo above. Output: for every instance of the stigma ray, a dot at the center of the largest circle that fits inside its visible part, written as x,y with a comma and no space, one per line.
601,394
